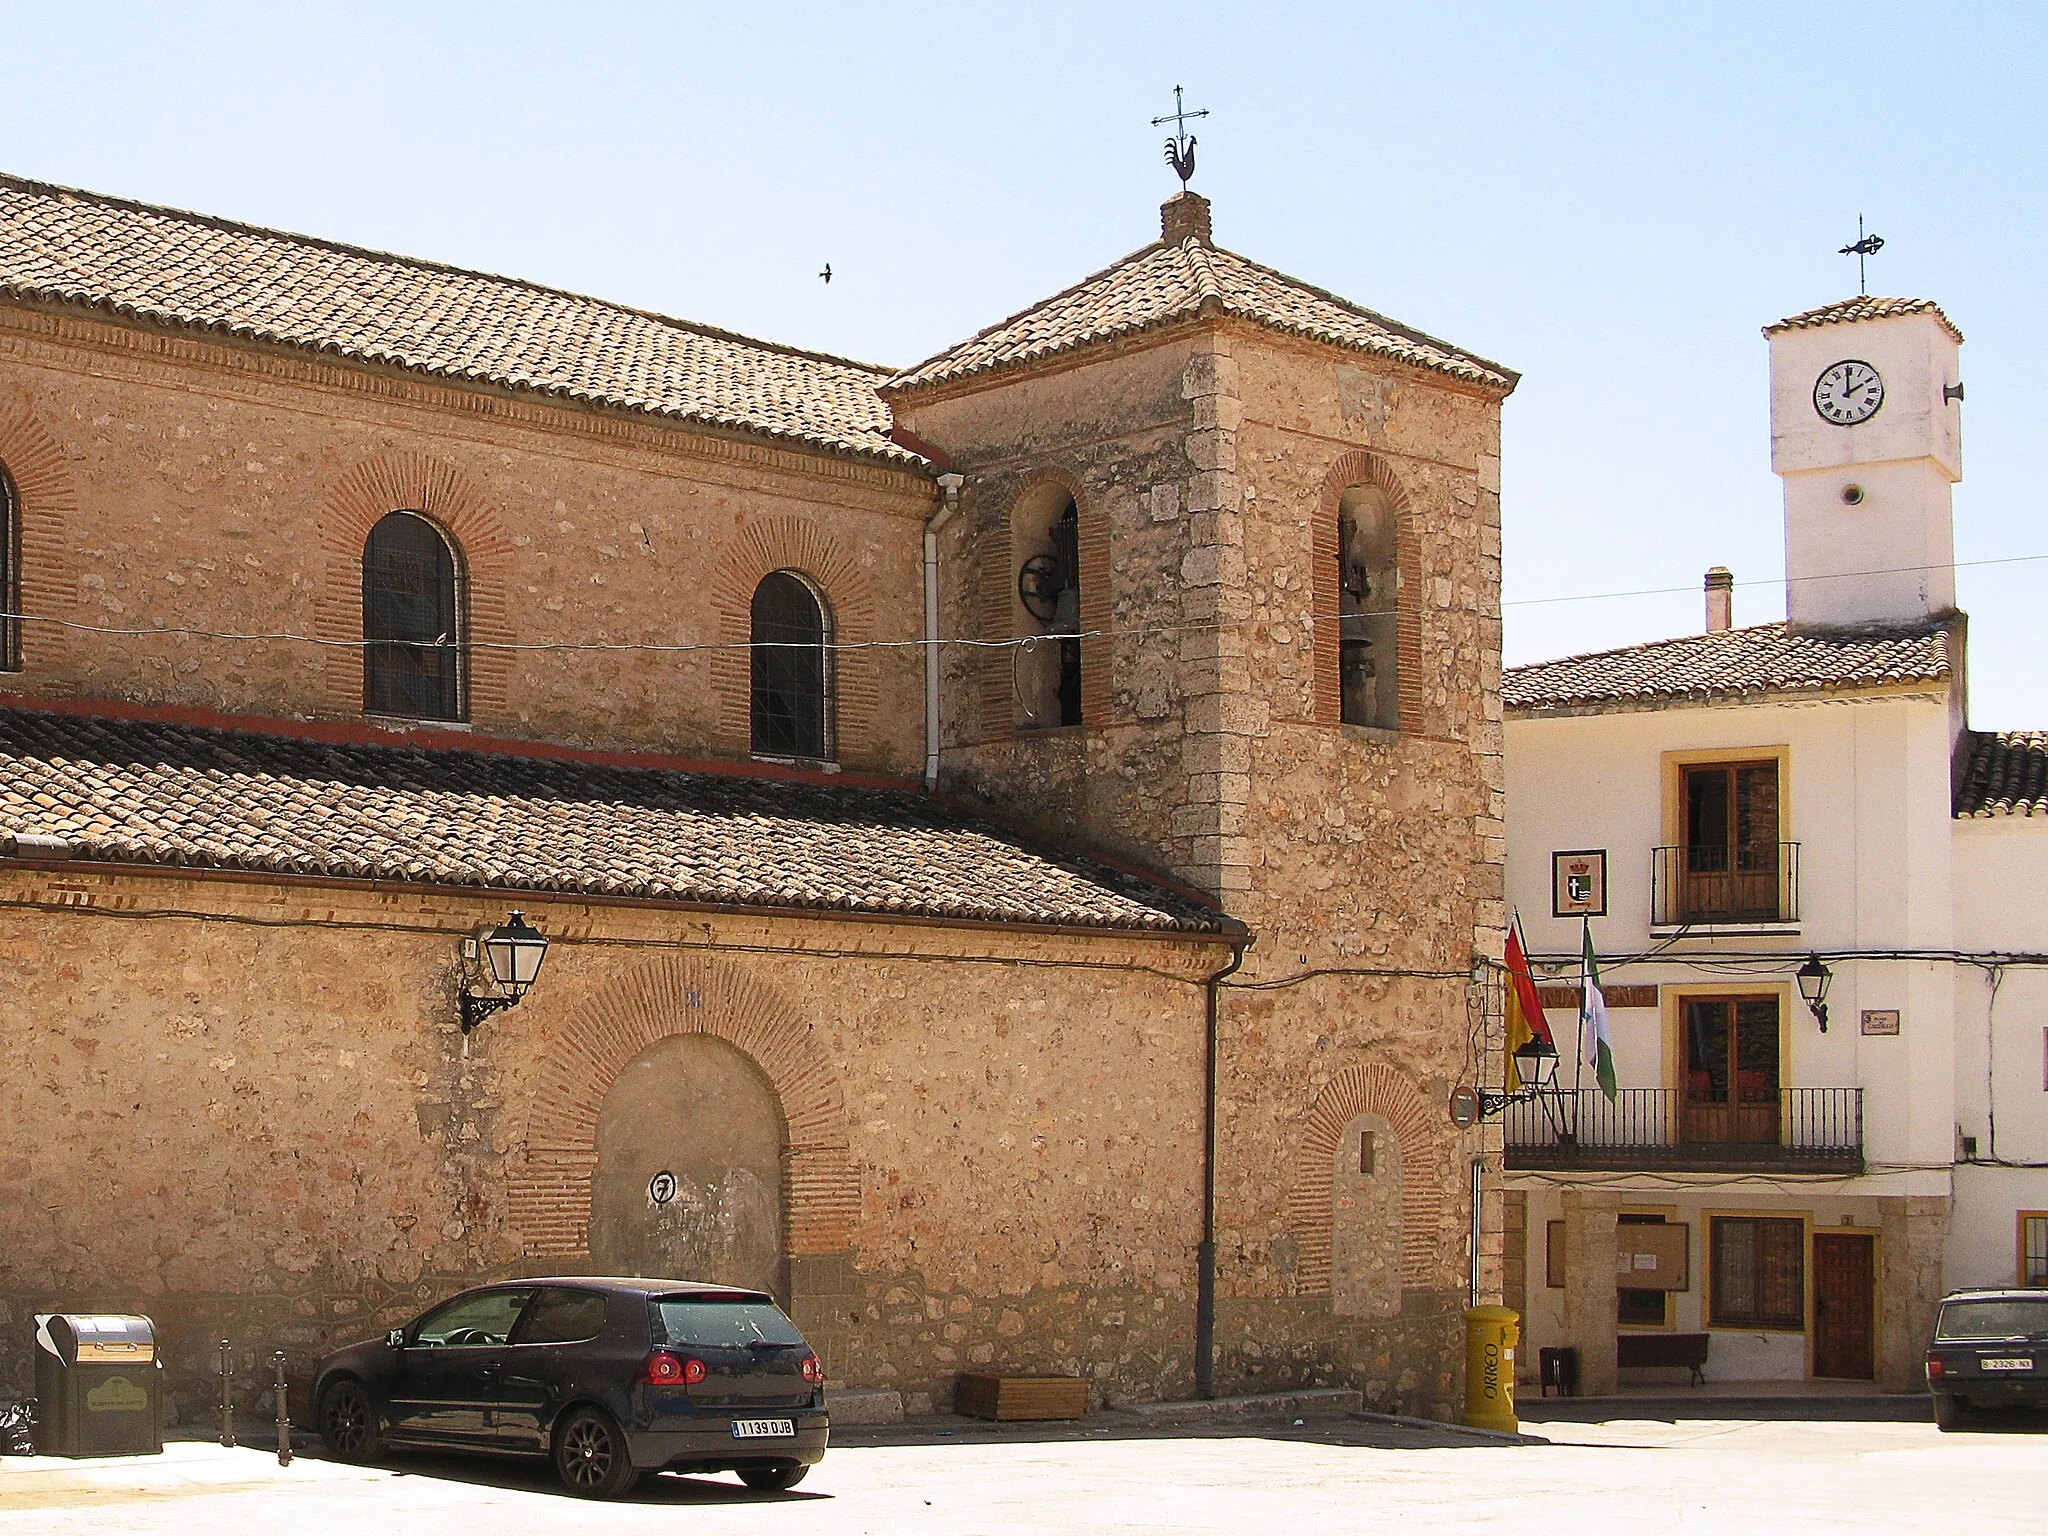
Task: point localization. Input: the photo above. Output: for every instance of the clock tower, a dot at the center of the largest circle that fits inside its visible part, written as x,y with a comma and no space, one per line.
1866,431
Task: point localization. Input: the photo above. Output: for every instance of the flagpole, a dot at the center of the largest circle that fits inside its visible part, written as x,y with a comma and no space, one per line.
1585,981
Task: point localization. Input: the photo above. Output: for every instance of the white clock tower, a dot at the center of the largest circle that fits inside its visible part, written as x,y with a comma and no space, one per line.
1866,430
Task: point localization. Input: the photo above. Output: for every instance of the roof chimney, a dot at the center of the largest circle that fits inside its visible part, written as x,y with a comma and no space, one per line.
1183,214
1720,599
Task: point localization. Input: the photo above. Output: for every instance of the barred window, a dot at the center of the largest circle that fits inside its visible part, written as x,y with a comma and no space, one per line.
1759,1272
10,574
412,621
792,670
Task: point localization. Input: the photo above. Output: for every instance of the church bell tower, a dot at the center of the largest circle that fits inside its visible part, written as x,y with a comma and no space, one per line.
1866,432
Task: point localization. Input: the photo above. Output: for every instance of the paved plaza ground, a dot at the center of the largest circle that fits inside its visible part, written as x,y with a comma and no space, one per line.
1587,1476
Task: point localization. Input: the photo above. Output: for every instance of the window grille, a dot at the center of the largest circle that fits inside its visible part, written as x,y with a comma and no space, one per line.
1759,1272
791,669
411,621
10,575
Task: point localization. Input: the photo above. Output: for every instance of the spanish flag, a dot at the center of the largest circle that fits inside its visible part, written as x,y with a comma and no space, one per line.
1524,1010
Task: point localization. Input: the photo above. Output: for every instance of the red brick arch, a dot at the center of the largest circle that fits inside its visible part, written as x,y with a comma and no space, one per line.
1373,1089
1353,469
796,544
413,482
548,1191
48,503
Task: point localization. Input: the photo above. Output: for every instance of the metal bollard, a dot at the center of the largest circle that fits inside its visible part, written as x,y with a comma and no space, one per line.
226,1369
284,1423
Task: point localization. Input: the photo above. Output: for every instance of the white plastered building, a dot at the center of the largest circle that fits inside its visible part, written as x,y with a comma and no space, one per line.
1740,804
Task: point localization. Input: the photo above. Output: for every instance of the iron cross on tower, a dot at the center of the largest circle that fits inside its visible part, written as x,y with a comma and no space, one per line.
1180,149
1866,246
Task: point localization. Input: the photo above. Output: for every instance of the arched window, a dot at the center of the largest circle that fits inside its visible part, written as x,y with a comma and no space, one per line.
1046,531
1368,599
412,619
792,673
10,574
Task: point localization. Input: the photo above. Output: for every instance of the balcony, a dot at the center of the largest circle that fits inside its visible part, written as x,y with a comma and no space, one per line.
1806,1130
1743,887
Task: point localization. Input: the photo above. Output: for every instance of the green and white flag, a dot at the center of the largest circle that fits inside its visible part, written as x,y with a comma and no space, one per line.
1596,1046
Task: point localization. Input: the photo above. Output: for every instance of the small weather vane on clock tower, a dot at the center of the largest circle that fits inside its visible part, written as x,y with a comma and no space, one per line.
1866,246
1180,149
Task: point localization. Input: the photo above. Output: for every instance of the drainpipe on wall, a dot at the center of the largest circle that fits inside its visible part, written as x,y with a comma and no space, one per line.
1205,1254
950,485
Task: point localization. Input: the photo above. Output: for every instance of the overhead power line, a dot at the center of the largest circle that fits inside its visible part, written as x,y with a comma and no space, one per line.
292,637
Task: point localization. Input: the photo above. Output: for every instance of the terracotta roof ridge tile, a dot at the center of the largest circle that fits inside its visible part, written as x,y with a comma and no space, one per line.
1395,327
1864,306
1767,658
908,377
2002,773
428,264
150,791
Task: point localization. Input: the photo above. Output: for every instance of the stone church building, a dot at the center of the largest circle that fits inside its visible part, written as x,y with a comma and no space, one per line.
1013,834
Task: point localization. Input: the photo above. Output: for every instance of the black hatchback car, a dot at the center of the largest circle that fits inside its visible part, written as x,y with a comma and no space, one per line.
1990,1351
611,1379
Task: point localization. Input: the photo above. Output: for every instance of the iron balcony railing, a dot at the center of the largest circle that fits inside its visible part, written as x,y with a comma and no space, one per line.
1795,1130
1700,883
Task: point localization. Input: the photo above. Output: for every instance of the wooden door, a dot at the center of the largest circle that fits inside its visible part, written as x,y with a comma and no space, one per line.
1844,1305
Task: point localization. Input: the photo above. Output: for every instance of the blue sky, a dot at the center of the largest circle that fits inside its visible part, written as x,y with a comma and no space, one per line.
1612,199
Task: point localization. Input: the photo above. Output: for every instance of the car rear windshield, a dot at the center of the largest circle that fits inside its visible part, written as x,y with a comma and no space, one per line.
733,1324
2012,1319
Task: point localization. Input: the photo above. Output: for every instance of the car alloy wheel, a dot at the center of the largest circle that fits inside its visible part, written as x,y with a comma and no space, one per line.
348,1422
590,1456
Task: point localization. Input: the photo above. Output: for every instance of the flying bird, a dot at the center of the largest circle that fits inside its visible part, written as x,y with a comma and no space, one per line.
827,273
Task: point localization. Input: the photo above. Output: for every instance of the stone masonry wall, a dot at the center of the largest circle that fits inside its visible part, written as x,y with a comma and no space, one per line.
246,1110
168,483
1367,863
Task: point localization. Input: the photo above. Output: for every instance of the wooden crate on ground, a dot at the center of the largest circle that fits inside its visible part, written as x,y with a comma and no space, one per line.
983,1395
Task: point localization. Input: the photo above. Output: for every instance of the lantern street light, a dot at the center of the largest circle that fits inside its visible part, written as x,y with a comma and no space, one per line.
1536,1064
1813,979
513,950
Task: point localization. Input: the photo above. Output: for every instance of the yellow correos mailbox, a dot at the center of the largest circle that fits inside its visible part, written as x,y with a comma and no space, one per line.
1491,1334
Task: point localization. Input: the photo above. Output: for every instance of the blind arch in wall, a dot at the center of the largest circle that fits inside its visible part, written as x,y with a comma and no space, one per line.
412,621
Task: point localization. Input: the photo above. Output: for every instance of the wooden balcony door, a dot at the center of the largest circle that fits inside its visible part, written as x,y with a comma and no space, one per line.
1731,872
1844,1305
1730,1090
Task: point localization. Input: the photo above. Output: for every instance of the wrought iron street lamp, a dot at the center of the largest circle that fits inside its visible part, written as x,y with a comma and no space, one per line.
513,951
1536,1064
1813,979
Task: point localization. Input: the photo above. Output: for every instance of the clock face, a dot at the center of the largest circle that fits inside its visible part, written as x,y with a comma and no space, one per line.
1847,393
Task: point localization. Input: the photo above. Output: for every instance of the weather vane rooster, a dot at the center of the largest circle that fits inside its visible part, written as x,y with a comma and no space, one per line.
1180,148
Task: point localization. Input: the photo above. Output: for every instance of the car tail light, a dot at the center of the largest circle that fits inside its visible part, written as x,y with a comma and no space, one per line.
1935,1366
665,1368
814,1369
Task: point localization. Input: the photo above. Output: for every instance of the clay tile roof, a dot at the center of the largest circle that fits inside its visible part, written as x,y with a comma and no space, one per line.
1164,283
142,792
1757,659
2005,773
63,246
1864,307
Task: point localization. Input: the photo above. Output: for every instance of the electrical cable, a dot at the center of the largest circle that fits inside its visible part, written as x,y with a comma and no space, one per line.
691,646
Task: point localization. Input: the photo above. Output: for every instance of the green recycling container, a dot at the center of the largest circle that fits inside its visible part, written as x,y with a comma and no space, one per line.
99,1386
